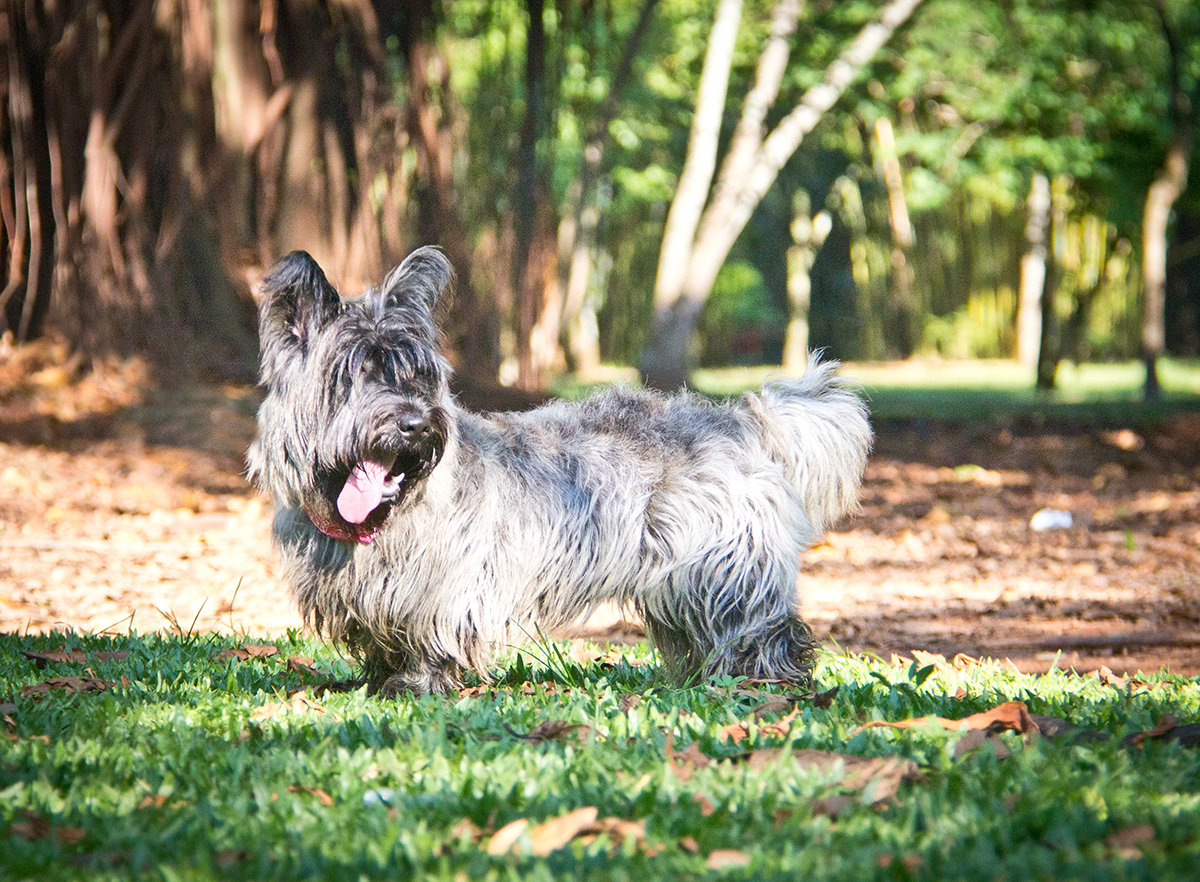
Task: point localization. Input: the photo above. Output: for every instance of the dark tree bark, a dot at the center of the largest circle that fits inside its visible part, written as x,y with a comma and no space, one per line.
155,154
473,330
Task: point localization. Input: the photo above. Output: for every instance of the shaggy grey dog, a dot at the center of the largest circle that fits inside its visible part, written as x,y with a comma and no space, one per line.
424,536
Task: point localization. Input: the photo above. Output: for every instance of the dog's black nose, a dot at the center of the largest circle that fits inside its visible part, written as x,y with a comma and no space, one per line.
412,423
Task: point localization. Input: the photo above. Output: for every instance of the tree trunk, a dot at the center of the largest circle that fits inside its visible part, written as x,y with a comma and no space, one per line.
1033,272
664,361
908,314
526,198
808,235
473,331
1168,185
1050,342
576,324
701,160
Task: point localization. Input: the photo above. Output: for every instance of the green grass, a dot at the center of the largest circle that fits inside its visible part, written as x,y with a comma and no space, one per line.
188,769
998,390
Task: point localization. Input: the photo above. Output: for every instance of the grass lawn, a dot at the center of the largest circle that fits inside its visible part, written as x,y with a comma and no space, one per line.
977,390
191,758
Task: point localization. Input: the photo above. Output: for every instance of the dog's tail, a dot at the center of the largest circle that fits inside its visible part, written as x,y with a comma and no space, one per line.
816,426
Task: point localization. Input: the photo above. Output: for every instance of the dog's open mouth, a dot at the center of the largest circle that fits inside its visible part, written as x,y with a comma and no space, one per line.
368,495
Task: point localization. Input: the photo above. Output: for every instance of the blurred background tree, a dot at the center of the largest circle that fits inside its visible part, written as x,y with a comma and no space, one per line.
989,180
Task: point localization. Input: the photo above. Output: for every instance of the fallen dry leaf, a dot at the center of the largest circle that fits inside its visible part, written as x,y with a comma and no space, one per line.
32,827
55,655
248,651
1166,723
552,835
554,730
1128,842
726,859
1009,715
71,684
977,738
685,762
298,703
737,732
824,700
503,840
301,664
322,797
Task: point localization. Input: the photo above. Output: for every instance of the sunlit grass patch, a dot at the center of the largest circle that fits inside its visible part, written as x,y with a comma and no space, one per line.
193,764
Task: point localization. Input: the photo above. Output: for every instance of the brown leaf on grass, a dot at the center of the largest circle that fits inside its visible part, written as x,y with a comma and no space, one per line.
503,840
689,844
553,730
260,650
685,762
726,859
629,701
231,857
322,797
924,659
775,704
113,655
301,664
156,800
298,703
1009,715
55,655
878,778
1166,723
71,684
1105,675
824,700
977,738
1128,841
248,651
706,807
552,835
466,829
474,691
32,827
911,862
737,732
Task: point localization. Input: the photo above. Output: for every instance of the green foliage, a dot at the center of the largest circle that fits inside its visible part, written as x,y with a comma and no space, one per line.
195,768
738,313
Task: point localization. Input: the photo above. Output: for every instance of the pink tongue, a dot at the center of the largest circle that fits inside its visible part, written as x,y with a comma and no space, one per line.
362,492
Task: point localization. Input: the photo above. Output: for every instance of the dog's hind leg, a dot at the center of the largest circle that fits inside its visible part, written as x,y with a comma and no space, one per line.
736,620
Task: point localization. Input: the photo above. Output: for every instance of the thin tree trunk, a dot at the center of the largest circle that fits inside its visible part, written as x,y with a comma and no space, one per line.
1050,343
1033,272
664,360
808,235
1168,185
577,232
724,221
701,160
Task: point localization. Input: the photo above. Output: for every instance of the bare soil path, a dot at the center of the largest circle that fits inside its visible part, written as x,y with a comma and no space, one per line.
119,510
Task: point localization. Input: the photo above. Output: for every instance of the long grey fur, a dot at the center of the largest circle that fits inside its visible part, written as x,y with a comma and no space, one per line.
692,513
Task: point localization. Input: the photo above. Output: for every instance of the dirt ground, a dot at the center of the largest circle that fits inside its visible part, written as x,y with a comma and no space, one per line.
124,510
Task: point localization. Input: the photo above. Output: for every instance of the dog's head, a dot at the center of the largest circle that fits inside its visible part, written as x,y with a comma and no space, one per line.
356,415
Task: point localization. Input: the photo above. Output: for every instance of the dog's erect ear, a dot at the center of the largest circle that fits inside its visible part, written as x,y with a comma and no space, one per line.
297,302
425,275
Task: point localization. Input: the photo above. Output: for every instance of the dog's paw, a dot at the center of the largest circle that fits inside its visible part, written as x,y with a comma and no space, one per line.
417,683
